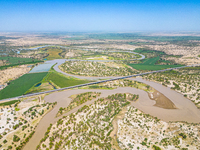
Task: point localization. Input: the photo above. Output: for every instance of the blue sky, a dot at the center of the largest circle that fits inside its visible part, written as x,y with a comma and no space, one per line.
102,15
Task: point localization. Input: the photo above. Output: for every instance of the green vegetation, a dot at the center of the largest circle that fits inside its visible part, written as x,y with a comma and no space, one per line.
152,67
9,103
54,80
150,64
144,51
154,53
21,85
150,61
16,138
99,87
78,100
156,147
25,141
63,81
53,52
15,61
100,69
41,87
106,55
184,136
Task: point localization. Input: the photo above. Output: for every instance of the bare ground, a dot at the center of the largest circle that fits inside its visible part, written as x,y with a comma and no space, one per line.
113,134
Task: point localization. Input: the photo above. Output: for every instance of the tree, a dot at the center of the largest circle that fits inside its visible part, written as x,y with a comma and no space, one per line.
9,147
16,138
156,147
5,141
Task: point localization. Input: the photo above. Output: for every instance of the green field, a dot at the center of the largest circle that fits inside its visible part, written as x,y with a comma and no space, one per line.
149,64
63,81
17,60
152,67
154,52
143,51
150,61
14,61
21,85
9,103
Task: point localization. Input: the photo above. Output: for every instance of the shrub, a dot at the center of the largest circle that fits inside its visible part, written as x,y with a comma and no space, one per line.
5,141
156,147
16,138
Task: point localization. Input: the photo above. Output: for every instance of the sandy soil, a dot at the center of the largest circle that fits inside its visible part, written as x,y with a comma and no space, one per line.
13,73
161,100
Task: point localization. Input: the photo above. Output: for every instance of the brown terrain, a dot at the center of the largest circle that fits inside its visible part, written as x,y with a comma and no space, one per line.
161,100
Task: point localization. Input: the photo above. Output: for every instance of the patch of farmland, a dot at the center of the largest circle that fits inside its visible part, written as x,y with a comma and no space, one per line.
16,60
63,81
152,67
21,85
149,64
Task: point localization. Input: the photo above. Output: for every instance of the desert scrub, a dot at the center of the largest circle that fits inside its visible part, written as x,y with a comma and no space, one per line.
88,68
78,100
89,127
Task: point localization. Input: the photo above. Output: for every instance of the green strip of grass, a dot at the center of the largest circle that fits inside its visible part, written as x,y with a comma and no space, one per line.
63,81
152,67
17,60
12,65
21,85
151,61
8,103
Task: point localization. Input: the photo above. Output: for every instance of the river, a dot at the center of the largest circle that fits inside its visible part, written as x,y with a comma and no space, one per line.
186,111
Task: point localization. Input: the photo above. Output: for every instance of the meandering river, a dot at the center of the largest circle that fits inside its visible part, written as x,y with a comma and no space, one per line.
186,111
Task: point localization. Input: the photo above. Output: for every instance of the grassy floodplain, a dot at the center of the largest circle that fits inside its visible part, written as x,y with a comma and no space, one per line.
53,53
63,81
54,80
21,85
9,103
150,64
15,61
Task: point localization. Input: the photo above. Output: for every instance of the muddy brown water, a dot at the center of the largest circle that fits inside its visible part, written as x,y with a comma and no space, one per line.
186,111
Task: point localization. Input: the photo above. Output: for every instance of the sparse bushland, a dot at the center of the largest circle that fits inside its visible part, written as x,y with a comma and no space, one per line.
88,68
126,83
141,130
106,55
89,127
78,100
19,124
